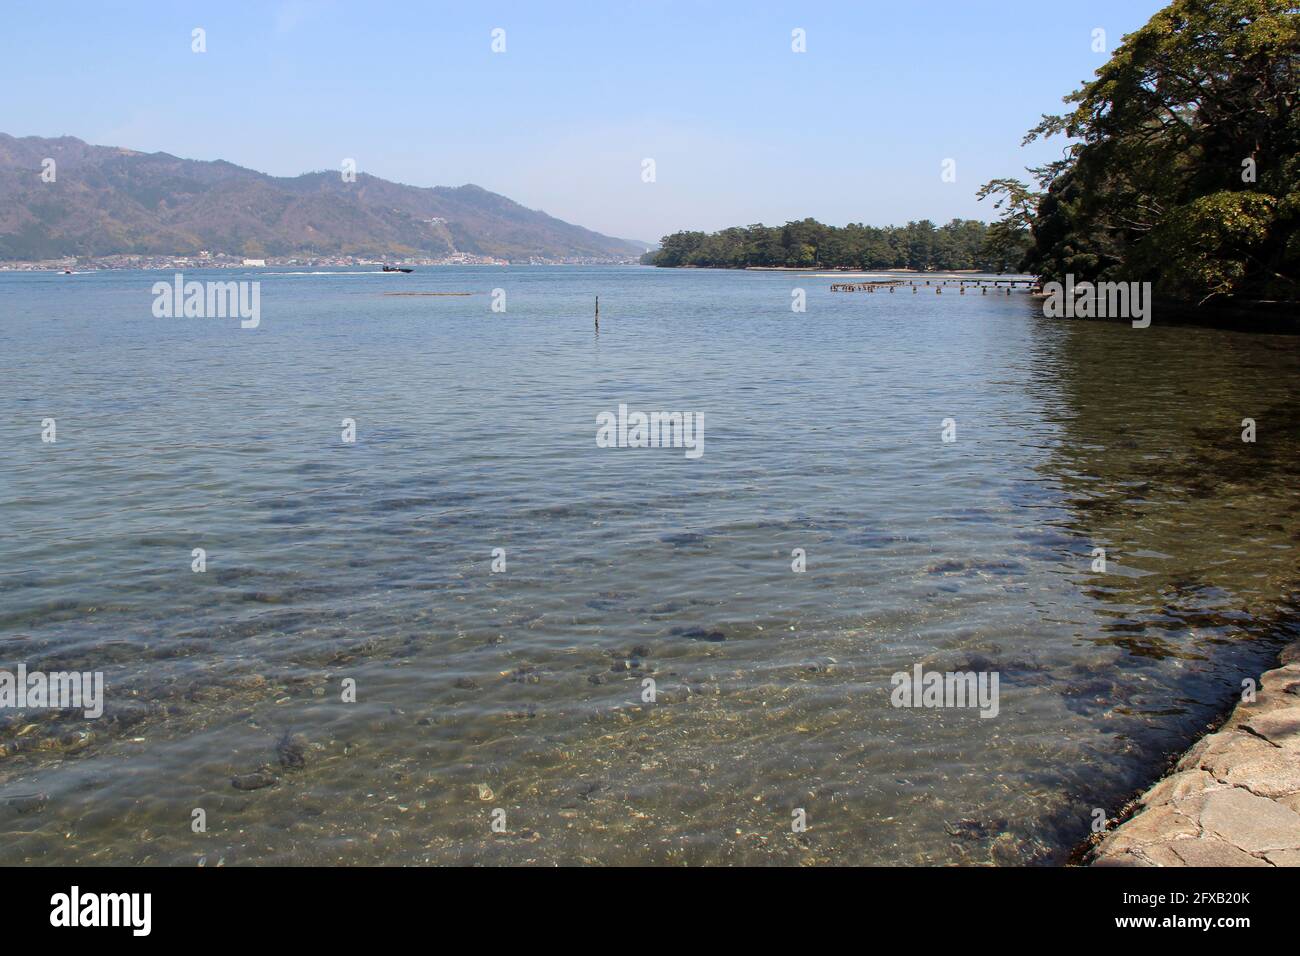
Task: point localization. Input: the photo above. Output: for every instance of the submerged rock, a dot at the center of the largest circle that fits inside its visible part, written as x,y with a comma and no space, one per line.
975,829
29,802
291,751
256,780
699,634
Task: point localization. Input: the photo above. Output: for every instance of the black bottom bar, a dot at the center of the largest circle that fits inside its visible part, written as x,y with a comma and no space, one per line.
338,905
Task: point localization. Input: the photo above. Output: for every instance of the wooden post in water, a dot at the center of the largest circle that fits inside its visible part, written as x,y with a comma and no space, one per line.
597,312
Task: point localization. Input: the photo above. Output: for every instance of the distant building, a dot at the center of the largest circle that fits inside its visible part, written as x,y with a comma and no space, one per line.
254,262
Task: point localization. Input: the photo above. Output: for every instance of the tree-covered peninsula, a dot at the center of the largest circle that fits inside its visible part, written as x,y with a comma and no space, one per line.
961,244
1181,167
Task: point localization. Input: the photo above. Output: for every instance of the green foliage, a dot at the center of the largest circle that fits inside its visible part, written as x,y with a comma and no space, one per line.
961,244
1007,240
1156,183
1207,247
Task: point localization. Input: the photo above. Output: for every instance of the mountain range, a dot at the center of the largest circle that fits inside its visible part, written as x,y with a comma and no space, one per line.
106,200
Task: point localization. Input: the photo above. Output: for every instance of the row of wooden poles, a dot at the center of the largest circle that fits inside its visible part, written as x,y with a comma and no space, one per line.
1030,285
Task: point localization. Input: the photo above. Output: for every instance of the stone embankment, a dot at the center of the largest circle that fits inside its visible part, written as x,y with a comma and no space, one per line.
1234,798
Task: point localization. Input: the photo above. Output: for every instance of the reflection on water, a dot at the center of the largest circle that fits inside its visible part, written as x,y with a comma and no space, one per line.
523,690
1155,464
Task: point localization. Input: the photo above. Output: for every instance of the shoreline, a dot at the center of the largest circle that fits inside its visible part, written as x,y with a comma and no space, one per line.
1232,800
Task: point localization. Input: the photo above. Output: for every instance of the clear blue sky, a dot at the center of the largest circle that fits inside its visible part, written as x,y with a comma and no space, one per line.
741,129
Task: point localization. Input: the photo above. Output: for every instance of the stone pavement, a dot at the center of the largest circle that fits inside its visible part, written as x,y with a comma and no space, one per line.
1234,798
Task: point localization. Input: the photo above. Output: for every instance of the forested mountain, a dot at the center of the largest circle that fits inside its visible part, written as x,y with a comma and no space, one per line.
106,200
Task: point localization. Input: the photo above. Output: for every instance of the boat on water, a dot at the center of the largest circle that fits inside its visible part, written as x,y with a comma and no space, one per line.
397,269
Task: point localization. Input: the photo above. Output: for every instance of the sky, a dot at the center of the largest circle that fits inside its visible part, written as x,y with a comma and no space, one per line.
741,128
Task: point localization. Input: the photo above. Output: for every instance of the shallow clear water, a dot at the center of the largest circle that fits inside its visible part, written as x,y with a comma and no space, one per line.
521,690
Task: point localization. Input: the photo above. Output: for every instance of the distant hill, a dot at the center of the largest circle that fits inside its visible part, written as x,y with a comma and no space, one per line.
108,201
